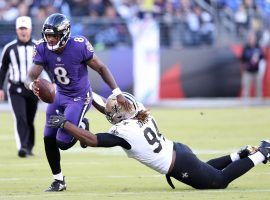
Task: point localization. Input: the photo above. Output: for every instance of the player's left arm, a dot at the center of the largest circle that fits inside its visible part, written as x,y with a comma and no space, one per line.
87,137
96,64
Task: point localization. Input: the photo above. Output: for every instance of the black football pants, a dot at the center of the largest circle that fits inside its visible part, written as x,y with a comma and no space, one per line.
215,174
24,104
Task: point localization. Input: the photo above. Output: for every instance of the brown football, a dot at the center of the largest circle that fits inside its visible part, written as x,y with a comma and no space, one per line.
46,90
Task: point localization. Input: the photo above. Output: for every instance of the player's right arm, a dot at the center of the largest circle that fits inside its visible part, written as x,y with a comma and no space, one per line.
32,76
37,68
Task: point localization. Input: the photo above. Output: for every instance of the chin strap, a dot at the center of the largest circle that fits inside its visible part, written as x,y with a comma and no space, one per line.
53,48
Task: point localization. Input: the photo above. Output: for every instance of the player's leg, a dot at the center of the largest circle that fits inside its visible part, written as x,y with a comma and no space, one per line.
31,107
18,105
190,170
52,151
248,157
258,82
221,162
246,83
53,157
74,112
224,161
240,167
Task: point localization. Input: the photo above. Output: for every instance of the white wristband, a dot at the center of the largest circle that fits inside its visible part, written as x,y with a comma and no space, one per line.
31,85
117,91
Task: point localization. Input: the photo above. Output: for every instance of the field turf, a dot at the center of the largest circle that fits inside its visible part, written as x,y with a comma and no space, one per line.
109,174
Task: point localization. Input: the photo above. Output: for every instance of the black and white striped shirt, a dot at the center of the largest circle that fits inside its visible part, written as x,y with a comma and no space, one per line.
16,58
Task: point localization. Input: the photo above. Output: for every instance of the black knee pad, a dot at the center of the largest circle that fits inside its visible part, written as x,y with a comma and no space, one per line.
64,146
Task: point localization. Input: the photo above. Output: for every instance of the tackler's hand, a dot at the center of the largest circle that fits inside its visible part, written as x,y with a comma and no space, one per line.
57,121
121,100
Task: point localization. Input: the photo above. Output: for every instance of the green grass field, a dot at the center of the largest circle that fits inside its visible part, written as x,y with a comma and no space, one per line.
109,174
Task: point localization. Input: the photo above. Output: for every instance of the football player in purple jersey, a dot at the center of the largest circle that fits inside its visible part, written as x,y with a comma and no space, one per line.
66,58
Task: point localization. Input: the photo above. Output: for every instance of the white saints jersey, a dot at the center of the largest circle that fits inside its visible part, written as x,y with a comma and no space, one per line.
147,145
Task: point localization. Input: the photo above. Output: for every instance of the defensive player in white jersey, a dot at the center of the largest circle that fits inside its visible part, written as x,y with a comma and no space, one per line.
137,133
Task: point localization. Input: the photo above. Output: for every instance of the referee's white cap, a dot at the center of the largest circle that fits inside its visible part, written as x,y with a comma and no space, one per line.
24,21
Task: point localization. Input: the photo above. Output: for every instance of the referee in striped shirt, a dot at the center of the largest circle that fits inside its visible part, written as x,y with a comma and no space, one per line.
16,60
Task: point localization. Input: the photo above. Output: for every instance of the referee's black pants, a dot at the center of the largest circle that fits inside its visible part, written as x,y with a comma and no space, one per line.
24,104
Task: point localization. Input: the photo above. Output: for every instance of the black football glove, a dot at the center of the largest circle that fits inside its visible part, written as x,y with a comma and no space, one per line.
57,121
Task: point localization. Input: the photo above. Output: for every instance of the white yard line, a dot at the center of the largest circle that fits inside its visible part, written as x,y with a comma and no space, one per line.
106,177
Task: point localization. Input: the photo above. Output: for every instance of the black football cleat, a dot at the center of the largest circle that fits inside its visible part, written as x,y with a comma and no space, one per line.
264,148
57,186
85,126
22,153
246,151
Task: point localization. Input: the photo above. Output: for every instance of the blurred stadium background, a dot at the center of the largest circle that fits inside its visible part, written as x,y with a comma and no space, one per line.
159,49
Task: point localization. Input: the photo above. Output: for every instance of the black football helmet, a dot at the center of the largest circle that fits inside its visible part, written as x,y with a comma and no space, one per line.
56,24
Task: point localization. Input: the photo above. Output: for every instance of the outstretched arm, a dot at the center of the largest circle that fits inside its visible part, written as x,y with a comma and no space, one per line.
86,137
96,64
60,121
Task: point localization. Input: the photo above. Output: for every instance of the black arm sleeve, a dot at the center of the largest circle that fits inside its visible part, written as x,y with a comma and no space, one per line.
109,140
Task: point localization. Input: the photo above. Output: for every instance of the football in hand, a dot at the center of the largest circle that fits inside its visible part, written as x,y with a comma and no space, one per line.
46,90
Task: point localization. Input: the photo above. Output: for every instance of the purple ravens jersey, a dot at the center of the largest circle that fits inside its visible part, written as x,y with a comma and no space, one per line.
69,67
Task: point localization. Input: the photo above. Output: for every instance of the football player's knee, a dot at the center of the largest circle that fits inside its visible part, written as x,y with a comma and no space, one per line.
224,185
64,146
217,184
